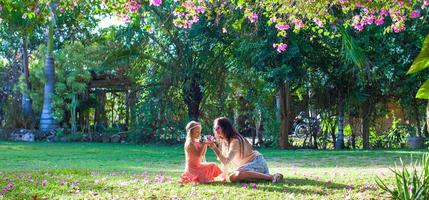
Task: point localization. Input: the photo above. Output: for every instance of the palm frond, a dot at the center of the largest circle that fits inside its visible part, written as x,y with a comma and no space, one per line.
422,60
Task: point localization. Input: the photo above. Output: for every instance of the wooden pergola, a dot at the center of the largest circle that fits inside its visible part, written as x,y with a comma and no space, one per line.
101,84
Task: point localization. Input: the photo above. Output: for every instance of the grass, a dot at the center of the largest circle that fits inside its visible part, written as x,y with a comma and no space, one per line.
121,171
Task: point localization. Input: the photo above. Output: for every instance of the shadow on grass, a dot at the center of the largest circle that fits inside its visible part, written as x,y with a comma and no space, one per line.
290,185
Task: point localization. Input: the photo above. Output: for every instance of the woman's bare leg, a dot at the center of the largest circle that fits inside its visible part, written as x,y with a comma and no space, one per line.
249,176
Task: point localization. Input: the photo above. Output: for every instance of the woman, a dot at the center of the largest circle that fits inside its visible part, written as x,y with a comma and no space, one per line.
235,149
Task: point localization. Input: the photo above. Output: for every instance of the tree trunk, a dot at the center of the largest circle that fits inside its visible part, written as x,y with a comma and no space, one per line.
27,109
100,116
427,118
47,121
74,104
339,144
417,115
353,138
2,102
365,114
285,113
193,97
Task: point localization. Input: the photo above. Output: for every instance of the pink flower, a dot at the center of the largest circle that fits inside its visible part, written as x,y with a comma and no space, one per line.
44,182
36,9
62,10
7,179
343,1
199,9
155,2
298,23
126,18
349,187
282,27
244,185
318,22
134,6
368,20
359,27
379,21
415,14
383,12
253,17
210,138
254,186
328,182
280,47
410,188
398,27
188,4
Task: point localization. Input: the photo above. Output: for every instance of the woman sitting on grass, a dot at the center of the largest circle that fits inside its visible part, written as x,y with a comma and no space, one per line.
196,170
234,148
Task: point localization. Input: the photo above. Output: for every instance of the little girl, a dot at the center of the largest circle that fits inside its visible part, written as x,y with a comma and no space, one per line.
196,170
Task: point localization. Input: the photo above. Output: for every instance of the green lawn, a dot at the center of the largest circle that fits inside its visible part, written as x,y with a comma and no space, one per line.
119,171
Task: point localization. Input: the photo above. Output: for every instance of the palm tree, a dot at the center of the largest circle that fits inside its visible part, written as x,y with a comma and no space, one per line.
47,121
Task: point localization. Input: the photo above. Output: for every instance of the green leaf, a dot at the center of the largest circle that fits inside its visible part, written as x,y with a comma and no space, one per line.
423,92
422,60
237,24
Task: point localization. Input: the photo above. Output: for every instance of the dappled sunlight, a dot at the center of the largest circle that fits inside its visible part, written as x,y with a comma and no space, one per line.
305,174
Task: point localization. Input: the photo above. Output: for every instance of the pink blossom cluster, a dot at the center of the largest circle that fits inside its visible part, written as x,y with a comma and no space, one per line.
298,23
8,187
155,2
280,47
189,16
210,138
282,27
318,22
253,17
133,6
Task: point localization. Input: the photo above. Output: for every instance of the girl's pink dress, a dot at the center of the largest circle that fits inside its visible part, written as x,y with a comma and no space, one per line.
197,171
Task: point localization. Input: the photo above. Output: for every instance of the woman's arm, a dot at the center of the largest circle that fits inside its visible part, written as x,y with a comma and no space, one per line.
233,147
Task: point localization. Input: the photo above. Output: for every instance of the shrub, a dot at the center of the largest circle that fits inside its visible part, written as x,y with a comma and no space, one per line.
410,184
396,135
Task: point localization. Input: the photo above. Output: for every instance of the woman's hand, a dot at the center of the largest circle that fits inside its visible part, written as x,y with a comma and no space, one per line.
210,144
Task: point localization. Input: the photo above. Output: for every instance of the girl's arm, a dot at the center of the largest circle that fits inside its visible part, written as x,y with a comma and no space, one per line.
203,153
194,150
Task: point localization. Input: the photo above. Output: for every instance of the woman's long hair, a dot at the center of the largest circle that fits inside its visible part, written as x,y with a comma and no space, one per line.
230,132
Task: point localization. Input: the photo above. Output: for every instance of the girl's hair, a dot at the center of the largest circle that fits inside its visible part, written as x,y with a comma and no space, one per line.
191,125
230,132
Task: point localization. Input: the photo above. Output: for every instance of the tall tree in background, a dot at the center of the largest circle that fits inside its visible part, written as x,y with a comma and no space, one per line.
47,121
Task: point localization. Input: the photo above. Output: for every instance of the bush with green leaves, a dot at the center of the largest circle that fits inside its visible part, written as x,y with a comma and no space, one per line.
409,183
396,135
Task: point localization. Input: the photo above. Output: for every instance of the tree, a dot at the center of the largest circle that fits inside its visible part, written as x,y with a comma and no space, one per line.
47,121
